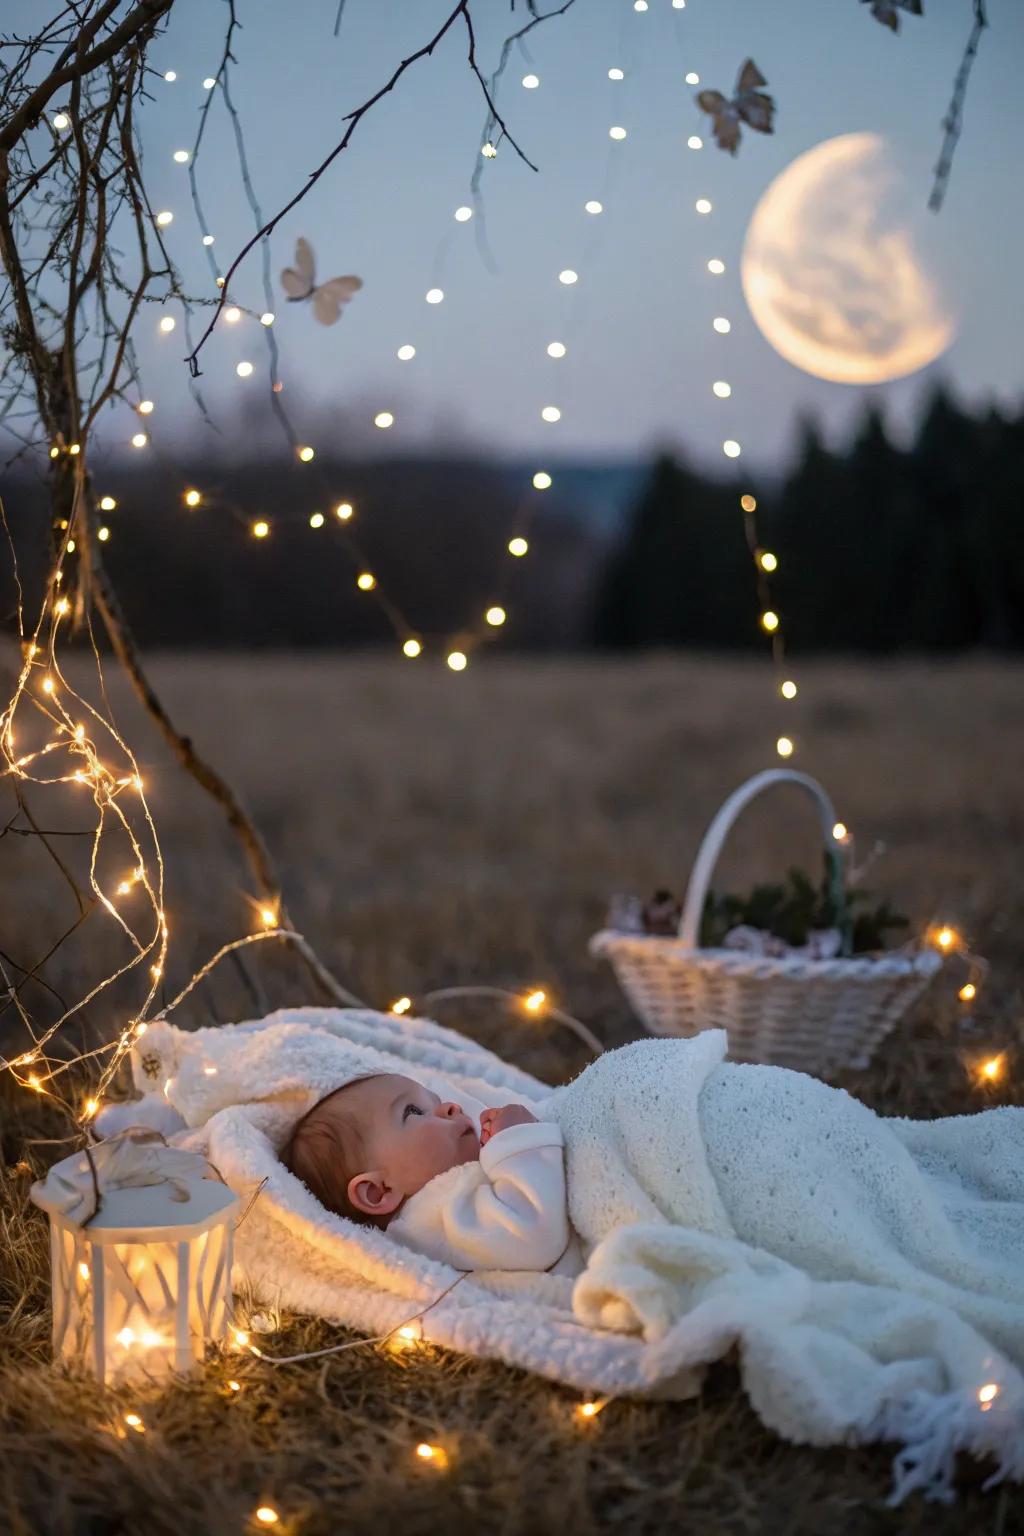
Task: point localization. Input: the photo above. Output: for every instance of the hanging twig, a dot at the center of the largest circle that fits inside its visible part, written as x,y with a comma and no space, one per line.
953,121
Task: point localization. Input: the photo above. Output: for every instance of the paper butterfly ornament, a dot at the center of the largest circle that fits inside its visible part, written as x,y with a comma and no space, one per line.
748,105
299,283
888,11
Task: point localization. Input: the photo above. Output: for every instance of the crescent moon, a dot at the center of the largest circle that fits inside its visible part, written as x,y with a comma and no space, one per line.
832,272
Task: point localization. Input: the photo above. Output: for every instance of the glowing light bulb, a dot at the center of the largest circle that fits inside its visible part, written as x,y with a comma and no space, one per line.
568,277
192,498
83,1271
593,206
721,389
702,205
34,1082
945,938
988,1393
316,520
103,534
721,325
992,1068
407,1332
535,1001
140,440
170,76
556,349
488,150
366,582
260,529
412,649
517,547
133,1421
434,1454
768,561
695,141
167,324
435,295
770,621
542,480
241,1337
495,616
146,407
383,420
616,74
716,266
220,282
107,503
343,511
968,992
640,5
234,1386
530,82
71,546
209,83
587,1410
748,503
267,1515
181,156
232,314
91,1106
731,448
784,747
692,77
463,214
208,239
840,832
268,317
401,1005
126,1337
268,917
164,218
551,413
788,689
457,660
61,121
617,133
243,370
406,353
305,453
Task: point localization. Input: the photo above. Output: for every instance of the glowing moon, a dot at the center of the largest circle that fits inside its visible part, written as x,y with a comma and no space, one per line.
833,273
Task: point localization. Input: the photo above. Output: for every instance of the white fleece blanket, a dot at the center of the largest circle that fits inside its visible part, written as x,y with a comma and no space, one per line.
893,1296
872,1269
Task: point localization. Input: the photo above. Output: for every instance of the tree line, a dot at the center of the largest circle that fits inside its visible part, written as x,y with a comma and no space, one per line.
880,548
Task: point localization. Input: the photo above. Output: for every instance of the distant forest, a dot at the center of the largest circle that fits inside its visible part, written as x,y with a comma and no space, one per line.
880,548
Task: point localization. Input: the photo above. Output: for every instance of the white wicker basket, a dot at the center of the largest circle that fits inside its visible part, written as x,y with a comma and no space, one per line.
815,1015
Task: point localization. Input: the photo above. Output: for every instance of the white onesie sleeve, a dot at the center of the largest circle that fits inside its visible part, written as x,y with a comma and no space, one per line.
507,1211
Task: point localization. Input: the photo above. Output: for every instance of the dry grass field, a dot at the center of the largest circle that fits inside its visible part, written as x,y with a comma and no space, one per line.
434,830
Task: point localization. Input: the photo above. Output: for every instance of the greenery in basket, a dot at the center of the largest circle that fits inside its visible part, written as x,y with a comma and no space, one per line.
796,909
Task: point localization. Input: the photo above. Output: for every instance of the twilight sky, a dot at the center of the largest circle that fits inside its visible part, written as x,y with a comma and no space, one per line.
641,350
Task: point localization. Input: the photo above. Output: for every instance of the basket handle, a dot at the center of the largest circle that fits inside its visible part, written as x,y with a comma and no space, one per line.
714,838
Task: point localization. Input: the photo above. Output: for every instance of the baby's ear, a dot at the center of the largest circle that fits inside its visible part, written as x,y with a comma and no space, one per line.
370,1194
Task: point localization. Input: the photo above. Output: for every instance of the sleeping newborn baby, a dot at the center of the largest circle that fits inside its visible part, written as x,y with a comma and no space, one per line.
387,1152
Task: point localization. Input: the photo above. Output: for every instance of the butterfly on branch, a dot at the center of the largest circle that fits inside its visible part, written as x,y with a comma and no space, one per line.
299,283
748,105
888,11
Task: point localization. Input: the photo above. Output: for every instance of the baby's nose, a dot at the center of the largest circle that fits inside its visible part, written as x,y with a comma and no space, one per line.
449,1110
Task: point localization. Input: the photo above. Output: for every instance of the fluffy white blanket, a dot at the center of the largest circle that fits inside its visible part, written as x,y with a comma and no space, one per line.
872,1269
869,1271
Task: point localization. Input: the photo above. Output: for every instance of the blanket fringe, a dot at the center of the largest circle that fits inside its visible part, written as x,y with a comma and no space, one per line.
933,1429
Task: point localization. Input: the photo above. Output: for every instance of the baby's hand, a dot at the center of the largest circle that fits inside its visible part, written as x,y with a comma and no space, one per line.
494,1120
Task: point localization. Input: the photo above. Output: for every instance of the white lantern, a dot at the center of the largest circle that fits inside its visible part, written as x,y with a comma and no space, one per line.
143,1285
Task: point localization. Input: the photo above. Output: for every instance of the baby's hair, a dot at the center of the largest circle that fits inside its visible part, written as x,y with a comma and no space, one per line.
326,1149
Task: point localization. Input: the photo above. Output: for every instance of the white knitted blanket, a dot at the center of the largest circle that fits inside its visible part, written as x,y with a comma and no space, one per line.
869,1271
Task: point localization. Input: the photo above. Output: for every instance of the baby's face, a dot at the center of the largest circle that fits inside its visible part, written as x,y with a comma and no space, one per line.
410,1136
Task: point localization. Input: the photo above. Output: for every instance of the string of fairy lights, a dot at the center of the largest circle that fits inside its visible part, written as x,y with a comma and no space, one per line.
81,748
